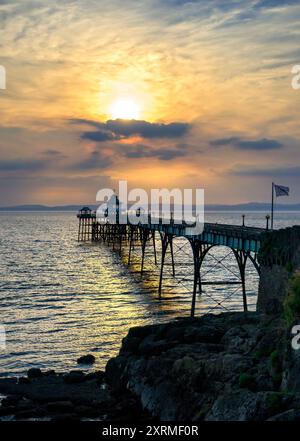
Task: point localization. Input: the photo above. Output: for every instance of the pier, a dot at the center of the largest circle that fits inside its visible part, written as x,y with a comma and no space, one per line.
243,241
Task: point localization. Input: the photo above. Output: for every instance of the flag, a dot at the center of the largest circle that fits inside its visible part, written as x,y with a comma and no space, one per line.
280,190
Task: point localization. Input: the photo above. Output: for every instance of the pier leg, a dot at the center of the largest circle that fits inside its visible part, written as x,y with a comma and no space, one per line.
196,255
164,246
241,258
200,282
79,230
144,238
130,246
203,250
244,291
172,255
154,247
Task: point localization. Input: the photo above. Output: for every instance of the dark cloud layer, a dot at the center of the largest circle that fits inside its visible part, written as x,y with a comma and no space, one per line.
275,3
258,144
285,171
100,136
143,151
22,165
96,160
146,129
113,130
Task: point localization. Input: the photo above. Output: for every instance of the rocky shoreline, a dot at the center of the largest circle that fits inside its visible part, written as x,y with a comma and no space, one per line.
48,396
227,367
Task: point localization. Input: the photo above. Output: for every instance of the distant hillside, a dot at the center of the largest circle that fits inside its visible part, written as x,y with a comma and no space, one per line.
250,206
253,206
43,208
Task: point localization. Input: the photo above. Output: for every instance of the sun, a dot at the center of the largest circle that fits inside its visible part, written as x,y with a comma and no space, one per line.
125,108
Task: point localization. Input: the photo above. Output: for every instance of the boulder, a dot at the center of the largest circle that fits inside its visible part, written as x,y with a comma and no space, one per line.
86,359
60,407
74,377
34,373
240,405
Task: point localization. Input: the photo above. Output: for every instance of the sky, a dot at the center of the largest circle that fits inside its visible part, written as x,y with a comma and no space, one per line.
207,83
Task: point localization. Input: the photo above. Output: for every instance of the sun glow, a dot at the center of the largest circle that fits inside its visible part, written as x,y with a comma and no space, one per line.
125,109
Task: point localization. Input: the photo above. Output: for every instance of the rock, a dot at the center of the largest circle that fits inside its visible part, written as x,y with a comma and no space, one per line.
24,404
35,412
24,380
10,400
87,411
49,373
204,334
271,403
217,367
115,375
234,406
9,410
289,415
130,345
86,359
291,370
263,382
240,339
60,406
155,347
98,375
141,331
65,418
74,377
34,373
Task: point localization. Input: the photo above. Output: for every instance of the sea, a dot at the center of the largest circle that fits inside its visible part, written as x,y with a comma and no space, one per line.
60,299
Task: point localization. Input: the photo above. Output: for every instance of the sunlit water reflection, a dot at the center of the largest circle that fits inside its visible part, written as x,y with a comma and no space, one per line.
60,299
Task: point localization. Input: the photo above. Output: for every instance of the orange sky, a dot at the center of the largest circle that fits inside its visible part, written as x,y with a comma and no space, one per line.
209,83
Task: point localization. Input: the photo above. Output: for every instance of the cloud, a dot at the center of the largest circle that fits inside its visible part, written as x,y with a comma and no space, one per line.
54,154
164,154
22,165
100,136
113,130
275,3
96,160
286,171
258,144
147,129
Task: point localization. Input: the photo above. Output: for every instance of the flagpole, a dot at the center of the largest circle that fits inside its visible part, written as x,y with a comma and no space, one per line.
272,211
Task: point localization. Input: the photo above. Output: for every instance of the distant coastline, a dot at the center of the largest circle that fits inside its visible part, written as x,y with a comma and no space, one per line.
250,206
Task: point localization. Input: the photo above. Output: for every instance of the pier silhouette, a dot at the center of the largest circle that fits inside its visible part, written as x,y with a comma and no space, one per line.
243,241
